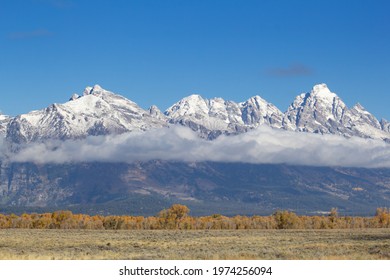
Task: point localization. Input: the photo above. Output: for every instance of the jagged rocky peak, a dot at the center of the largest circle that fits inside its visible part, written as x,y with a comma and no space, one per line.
257,111
360,110
97,112
321,96
359,107
99,97
322,111
322,90
4,120
255,102
155,112
212,117
96,89
318,111
361,115
193,104
87,91
385,125
74,97
318,106
327,102
209,118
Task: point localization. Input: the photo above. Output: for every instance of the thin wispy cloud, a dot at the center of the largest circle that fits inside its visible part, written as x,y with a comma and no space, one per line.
293,70
38,33
263,145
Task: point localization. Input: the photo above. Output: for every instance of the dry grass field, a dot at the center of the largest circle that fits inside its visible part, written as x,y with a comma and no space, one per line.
24,244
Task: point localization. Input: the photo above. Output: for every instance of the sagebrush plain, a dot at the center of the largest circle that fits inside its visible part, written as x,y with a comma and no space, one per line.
335,244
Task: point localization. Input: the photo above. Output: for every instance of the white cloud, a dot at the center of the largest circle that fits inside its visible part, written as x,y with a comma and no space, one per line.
264,145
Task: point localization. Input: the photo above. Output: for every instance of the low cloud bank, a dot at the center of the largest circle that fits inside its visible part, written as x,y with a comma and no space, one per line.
263,145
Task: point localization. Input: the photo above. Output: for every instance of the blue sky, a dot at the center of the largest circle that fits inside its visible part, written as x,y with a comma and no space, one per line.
157,52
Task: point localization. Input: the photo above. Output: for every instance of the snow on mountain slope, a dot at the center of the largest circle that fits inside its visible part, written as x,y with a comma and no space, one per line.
155,112
385,125
4,120
322,111
100,112
256,111
363,124
209,118
360,114
212,117
318,111
97,112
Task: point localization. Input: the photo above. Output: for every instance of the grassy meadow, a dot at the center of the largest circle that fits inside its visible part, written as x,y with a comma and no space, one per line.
286,244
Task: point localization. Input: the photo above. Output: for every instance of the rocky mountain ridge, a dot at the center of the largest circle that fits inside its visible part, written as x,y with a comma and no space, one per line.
101,112
96,112
206,187
4,120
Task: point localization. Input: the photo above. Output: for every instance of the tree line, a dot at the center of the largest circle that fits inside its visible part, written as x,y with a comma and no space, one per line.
177,217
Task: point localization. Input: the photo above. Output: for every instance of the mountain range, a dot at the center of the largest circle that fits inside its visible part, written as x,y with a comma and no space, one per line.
145,187
101,112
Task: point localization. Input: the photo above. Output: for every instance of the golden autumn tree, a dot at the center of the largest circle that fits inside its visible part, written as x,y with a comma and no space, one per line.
382,215
286,220
172,216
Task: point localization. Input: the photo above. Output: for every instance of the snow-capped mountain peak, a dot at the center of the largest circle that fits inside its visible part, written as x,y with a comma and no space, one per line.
97,87
317,111
97,112
359,108
202,115
87,91
322,90
322,111
257,111
74,97
212,117
155,112
95,90
361,117
255,101
192,104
